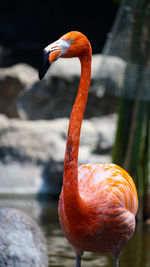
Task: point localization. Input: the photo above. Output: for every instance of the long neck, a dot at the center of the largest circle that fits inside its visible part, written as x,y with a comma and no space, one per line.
70,180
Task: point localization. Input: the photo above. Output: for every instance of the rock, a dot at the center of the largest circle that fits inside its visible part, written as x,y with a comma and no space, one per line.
32,152
45,99
21,240
12,81
110,75
23,95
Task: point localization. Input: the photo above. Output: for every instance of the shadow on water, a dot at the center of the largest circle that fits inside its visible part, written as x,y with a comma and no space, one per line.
60,252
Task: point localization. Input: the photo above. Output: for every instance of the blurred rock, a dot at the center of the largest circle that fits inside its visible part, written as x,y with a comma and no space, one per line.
32,152
21,240
22,95
53,97
12,81
111,75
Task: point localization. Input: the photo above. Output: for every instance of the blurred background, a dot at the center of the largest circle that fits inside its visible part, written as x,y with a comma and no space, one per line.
28,26
34,114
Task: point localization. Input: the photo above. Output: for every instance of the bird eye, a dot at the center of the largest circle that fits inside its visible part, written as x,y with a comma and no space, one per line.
72,41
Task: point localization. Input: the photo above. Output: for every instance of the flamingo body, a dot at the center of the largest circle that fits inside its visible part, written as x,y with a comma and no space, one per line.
110,193
98,202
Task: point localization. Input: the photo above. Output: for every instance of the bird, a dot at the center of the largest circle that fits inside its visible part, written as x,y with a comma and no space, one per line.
98,202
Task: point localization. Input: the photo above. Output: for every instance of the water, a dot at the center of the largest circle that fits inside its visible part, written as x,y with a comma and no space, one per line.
60,252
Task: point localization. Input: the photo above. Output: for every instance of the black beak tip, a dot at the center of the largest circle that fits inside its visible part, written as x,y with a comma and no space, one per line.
44,64
41,74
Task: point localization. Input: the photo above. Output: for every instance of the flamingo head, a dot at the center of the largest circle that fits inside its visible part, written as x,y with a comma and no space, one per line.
72,44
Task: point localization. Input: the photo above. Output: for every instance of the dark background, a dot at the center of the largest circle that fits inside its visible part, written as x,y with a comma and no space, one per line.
28,26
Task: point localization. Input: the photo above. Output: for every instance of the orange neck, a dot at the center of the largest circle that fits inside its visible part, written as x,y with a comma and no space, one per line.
70,180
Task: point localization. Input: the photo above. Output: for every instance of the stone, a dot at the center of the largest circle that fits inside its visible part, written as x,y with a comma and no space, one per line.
32,152
110,74
53,97
12,81
23,96
22,242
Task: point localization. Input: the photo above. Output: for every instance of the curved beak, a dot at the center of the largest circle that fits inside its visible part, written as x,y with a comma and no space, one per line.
51,53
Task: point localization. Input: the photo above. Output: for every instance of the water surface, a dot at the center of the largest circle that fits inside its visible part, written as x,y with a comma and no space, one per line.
60,253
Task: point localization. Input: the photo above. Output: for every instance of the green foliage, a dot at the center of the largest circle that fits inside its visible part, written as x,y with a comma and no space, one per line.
132,145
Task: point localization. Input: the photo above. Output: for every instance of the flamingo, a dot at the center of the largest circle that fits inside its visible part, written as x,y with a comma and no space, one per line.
98,202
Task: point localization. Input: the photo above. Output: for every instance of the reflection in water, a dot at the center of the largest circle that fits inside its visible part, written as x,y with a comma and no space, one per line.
137,252
60,252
